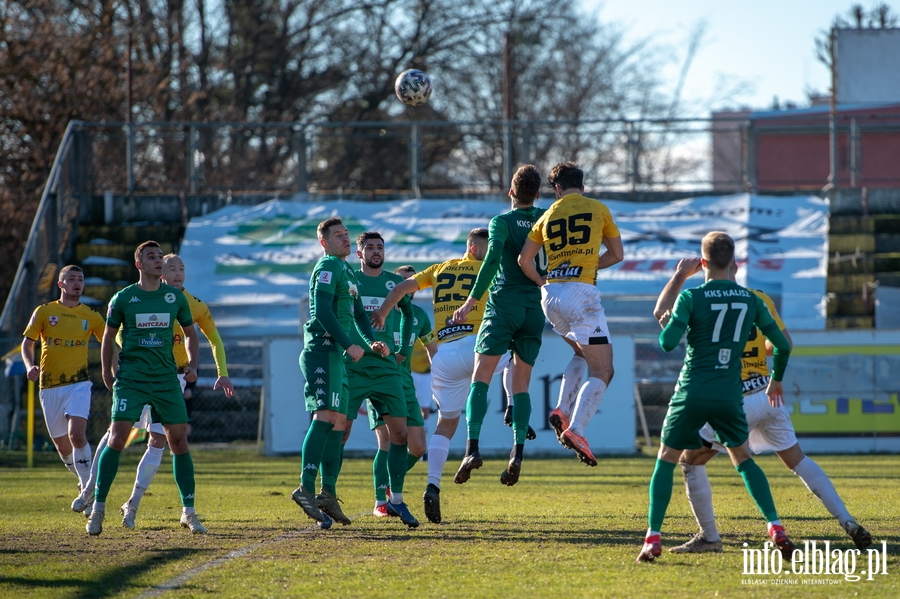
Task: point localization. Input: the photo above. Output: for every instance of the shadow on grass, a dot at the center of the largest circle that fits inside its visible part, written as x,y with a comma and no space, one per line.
110,583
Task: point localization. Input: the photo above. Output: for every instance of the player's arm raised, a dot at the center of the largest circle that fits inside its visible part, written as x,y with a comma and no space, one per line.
666,301
671,335
497,234
393,297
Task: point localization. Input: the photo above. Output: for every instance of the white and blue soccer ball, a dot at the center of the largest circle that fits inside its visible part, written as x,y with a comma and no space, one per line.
413,87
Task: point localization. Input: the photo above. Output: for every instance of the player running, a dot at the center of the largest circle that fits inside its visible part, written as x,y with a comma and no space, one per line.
454,362
64,328
512,320
770,430
718,317
570,233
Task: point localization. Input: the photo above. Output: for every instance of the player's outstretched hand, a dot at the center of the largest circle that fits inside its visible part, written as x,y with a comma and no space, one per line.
377,317
461,313
381,348
224,383
775,391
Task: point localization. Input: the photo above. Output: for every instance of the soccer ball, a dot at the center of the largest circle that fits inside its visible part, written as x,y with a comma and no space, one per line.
413,87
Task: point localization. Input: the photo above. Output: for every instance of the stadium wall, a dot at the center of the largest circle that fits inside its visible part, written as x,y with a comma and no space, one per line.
611,431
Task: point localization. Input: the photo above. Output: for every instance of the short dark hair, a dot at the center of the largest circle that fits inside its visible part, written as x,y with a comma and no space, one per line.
479,233
323,229
718,249
67,269
526,183
406,268
364,237
567,175
147,244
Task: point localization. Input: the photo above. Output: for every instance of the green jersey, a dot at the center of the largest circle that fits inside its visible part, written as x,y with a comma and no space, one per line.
334,305
718,317
421,329
147,320
372,292
507,233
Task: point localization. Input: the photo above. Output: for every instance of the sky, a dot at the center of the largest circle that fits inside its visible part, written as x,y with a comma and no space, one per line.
769,44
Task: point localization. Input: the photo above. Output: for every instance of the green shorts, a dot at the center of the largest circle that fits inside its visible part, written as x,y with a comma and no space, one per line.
165,399
378,380
685,417
413,410
514,327
326,383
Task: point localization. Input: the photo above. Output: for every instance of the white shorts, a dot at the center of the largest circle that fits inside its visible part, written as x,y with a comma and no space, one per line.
146,420
575,311
451,374
770,428
66,400
422,381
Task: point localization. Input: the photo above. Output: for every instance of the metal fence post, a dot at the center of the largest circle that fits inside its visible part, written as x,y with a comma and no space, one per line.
414,166
130,157
300,150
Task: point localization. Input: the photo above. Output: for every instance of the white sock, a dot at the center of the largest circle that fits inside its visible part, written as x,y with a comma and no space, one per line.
438,450
100,447
69,462
82,458
699,494
821,486
507,385
573,375
145,472
396,498
589,397
188,510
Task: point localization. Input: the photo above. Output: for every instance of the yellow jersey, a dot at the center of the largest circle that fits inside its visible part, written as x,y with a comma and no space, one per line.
203,319
64,334
451,282
754,369
418,361
571,232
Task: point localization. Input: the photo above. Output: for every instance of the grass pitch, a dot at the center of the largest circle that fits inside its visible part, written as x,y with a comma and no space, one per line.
565,531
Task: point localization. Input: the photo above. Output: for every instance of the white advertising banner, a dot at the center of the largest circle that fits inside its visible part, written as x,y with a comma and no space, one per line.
251,264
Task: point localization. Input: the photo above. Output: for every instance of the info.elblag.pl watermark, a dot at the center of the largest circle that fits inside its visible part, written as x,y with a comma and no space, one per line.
815,562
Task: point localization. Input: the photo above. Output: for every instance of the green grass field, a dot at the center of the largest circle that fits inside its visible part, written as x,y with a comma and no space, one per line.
564,531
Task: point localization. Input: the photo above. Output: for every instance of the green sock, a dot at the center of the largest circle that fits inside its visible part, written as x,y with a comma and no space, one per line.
411,461
380,474
397,466
107,467
313,447
660,492
476,408
758,485
331,461
183,469
521,414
